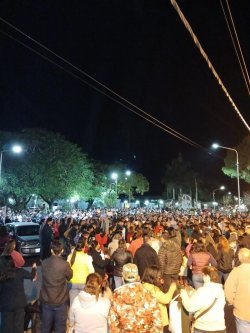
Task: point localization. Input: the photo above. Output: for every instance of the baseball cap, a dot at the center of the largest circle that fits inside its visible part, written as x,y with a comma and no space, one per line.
130,272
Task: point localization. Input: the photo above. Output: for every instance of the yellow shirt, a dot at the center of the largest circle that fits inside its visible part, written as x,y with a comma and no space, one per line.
82,267
162,298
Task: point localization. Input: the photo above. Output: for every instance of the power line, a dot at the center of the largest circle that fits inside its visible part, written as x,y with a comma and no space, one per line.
205,56
239,53
146,116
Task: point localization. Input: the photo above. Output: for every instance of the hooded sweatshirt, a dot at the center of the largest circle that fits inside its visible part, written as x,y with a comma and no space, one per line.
201,299
88,315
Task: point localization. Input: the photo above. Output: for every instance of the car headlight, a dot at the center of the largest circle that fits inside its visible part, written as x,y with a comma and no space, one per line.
23,243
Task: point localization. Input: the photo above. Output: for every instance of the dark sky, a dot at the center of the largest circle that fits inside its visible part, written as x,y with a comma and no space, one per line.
142,51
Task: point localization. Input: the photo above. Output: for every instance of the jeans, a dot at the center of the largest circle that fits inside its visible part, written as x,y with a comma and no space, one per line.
118,281
54,316
223,276
243,326
197,280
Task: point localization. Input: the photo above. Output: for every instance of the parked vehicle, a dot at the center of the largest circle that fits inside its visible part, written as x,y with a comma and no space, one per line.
26,235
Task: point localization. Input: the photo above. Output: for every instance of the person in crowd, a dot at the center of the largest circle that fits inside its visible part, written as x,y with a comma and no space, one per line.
81,264
224,259
89,311
73,230
133,308
46,236
120,257
12,296
158,228
183,274
210,244
170,260
101,238
16,256
197,260
100,260
237,291
136,243
62,229
114,244
145,256
207,303
152,281
54,294
246,238
4,237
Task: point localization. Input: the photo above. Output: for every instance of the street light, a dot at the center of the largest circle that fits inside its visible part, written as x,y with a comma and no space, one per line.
215,146
128,173
217,189
114,176
15,149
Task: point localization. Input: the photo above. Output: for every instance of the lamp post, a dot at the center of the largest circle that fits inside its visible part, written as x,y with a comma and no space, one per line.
215,146
128,173
217,189
114,176
15,149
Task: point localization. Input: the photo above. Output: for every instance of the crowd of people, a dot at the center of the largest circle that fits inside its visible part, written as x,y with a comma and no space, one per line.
123,272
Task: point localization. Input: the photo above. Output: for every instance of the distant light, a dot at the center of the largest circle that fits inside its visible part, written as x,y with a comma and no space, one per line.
17,149
137,202
128,173
177,204
229,193
146,202
215,145
215,203
11,201
125,201
161,202
114,175
222,187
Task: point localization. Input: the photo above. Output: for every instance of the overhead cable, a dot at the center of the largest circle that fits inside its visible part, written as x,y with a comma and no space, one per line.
140,112
236,43
205,56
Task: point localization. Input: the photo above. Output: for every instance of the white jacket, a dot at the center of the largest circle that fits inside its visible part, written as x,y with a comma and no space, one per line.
88,315
201,299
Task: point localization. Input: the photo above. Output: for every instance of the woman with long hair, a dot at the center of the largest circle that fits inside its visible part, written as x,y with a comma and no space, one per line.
152,281
81,264
89,311
224,258
197,260
120,257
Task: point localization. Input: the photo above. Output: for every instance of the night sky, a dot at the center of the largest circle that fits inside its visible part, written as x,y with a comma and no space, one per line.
142,51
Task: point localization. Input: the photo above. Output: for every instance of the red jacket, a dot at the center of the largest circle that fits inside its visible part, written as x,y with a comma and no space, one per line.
101,240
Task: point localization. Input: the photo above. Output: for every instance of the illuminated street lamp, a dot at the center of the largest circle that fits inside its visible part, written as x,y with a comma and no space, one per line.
217,189
114,176
15,149
128,173
215,146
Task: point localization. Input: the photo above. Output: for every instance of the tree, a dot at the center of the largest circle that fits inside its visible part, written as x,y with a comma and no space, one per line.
179,178
243,150
127,184
52,167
